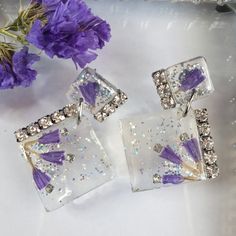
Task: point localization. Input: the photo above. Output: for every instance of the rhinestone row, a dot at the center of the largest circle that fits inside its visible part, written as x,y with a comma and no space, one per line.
46,122
111,107
163,89
207,143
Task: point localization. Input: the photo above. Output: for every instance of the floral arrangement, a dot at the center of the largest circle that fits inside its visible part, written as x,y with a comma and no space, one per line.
61,28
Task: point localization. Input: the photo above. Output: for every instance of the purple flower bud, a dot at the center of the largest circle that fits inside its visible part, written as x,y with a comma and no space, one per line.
55,157
89,92
41,179
168,154
192,79
172,179
192,148
52,137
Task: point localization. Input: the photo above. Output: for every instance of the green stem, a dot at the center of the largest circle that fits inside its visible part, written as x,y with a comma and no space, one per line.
7,33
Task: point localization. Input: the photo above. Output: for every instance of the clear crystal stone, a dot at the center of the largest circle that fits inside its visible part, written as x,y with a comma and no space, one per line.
99,117
183,137
204,129
64,131
210,158
159,78
109,108
167,102
157,147
212,171
33,129
70,110
123,97
164,90
156,179
201,115
49,188
207,143
45,122
70,157
116,101
21,135
57,117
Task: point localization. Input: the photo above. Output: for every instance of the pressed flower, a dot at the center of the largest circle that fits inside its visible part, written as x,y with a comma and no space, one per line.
89,92
41,179
71,31
168,154
191,79
172,179
56,157
15,67
52,137
192,147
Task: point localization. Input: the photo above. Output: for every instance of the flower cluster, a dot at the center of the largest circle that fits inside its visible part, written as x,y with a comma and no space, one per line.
63,28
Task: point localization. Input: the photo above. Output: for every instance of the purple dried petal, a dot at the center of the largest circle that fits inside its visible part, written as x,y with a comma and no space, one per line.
56,157
89,92
192,148
192,79
41,179
52,137
172,179
168,154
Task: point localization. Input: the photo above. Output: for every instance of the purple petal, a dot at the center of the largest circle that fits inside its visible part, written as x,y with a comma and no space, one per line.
41,179
172,179
192,148
52,137
56,157
168,154
192,79
89,92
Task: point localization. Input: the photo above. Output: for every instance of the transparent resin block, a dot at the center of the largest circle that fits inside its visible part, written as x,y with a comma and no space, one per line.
100,97
67,159
176,84
164,149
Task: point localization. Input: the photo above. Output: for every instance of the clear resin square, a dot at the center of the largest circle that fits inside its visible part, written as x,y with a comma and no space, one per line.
100,97
67,159
165,148
176,84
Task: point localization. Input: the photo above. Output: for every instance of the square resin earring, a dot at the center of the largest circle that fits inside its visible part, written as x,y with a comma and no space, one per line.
173,146
66,158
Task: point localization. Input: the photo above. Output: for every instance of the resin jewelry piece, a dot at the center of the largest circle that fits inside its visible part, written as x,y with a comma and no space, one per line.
173,146
100,97
66,157
176,84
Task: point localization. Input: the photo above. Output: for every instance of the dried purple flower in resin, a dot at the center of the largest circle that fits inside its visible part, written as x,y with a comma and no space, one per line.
172,179
52,137
41,179
168,154
56,157
192,147
89,92
190,79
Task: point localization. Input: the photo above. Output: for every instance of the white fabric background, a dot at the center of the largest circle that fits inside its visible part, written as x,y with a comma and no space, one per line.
146,36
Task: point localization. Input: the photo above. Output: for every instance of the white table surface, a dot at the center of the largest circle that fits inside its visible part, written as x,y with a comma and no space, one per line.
146,36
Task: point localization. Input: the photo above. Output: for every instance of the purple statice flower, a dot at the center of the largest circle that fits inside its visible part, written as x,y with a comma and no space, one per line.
18,72
71,31
192,147
49,138
168,154
41,179
56,157
89,92
172,179
191,79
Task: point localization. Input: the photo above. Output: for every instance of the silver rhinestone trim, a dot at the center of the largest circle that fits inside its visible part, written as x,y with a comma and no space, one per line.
111,107
163,89
46,122
207,144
